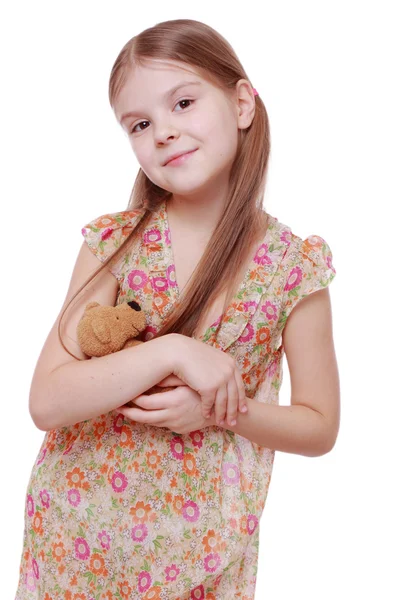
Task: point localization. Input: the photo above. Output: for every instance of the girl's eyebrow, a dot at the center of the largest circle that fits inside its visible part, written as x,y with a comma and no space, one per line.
166,96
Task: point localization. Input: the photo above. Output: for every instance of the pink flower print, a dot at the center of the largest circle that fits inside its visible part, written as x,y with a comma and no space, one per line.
160,284
270,311
272,367
190,511
171,276
198,593
197,438
74,497
106,233
171,572
144,581
35,568
230,473
252,523
250,305
119,482
45,498
152,235
285,237
30,581
41,458
118,423
104,539
139,532
83,231
30,505
262,257
328,261
294,279
239,453
177,447
247,334
137,279
212,562
167,236
149,332
82,549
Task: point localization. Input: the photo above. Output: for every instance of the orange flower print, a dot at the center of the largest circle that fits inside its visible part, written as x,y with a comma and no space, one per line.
37,523
153,593
153,459
178,503
124,589
75,478
189,465
212,541
58,551
140,512
97,565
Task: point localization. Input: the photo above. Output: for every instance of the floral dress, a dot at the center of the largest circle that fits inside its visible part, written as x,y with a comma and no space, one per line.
126,510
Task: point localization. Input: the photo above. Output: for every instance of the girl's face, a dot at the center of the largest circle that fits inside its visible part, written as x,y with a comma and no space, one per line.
161,122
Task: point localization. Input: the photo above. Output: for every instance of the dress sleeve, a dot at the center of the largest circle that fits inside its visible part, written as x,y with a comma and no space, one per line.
306,269
105,234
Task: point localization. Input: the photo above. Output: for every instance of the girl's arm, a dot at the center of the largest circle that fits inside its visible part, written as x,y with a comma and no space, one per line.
310,425
65,390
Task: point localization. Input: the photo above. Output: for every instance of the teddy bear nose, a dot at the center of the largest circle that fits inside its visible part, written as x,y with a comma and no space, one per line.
134,305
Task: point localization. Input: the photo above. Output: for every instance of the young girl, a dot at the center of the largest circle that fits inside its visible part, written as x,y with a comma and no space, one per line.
163,499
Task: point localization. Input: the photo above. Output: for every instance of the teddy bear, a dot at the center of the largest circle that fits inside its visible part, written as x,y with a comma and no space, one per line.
106,329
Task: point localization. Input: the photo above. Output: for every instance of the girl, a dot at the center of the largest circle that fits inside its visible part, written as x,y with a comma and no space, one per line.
163,499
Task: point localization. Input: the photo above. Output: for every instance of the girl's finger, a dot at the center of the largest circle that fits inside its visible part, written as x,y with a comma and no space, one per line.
170,381
242,392
141,416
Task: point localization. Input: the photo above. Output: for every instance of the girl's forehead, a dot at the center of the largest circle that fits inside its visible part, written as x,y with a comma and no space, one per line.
160,71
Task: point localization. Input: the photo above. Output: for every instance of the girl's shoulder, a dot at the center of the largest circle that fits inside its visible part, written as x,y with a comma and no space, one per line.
105,233
306,267
313,248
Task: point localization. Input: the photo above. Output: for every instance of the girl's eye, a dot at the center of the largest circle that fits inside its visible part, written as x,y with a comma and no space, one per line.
141,122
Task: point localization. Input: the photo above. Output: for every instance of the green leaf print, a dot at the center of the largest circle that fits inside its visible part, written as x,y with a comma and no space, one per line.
81,533
294,291
89,576
214,446
114,503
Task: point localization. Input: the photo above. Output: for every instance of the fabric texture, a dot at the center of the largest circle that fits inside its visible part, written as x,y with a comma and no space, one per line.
118,509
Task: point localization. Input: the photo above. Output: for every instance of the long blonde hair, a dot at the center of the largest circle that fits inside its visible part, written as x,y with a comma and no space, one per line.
201,47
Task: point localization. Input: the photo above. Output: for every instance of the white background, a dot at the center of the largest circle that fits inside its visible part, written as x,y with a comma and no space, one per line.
328,74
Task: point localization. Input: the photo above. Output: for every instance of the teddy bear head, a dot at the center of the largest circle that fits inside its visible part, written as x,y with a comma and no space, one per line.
105,329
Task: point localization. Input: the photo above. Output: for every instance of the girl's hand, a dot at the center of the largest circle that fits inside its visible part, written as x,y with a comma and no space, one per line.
179,410
213,375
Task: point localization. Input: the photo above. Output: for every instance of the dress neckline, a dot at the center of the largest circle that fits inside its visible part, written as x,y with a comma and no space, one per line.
261,251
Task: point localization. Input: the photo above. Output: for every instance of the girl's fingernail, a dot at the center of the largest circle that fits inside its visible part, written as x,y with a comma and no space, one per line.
221,422
244,409
233,422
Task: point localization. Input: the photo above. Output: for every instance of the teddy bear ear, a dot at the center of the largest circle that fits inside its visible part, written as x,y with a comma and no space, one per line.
91,305
101,330
134,305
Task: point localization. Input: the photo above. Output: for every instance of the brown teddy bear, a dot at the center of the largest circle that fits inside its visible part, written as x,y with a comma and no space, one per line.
106,329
